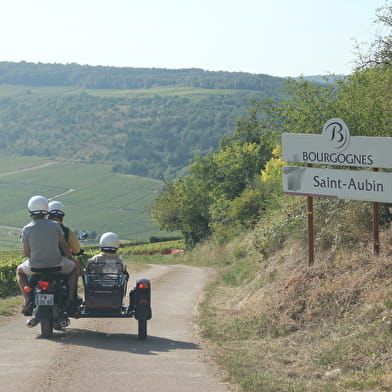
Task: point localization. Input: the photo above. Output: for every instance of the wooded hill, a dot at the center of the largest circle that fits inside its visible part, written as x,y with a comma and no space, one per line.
125,78
148,122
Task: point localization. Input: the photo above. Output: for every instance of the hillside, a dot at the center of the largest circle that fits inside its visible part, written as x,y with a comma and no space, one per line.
278,325
147,122
153,133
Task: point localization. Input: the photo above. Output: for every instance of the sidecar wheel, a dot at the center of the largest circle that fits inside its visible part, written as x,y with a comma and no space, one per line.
142,329
46,328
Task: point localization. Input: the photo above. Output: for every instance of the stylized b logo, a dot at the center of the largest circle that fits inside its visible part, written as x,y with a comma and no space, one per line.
337,133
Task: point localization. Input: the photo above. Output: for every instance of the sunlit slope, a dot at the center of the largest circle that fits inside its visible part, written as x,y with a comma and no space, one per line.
96,199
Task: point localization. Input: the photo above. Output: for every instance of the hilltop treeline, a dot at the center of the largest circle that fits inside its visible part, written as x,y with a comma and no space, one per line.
239,186
115,78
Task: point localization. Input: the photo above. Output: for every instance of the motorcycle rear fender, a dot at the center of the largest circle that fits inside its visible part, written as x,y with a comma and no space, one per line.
141,299
44,312
143,311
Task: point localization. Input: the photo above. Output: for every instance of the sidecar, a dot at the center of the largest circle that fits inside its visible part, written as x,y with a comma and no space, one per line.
104,292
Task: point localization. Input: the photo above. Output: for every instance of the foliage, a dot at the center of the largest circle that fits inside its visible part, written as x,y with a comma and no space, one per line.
99,77
277,225
164,247
379,52
197,202
273,168
164,239
341,224
9,260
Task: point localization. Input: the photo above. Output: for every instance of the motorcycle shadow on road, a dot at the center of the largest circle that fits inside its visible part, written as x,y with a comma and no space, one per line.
153,345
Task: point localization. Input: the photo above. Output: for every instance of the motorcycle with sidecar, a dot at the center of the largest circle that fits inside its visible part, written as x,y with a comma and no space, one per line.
104,294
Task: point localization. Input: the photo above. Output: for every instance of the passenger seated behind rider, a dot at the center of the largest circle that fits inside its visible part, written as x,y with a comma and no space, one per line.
41,240
107,262
56,213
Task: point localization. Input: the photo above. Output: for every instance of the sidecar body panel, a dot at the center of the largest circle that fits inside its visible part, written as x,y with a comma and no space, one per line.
104,293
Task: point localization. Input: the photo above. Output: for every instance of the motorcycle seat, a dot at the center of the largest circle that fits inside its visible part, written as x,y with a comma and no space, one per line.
46,269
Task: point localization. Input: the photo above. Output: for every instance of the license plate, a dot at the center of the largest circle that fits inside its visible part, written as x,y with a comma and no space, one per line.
44,299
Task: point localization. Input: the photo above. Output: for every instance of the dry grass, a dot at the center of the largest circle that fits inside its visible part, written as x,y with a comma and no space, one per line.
10,306
288,327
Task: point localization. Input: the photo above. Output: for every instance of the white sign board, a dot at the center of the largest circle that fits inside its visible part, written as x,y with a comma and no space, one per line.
335,146
343,184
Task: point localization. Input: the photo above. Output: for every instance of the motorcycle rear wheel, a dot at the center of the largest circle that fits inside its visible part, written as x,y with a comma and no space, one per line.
142,329
46,328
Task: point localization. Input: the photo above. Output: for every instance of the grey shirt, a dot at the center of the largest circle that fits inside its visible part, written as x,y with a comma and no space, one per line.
43,236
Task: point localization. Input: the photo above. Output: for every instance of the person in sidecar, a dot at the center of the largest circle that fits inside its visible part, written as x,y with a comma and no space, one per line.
41,239
107,262
56,213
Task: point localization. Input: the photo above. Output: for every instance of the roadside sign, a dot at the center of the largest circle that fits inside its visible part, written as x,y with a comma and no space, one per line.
342,184
335,146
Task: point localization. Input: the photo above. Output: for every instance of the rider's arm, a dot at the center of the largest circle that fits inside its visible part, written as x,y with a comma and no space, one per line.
26,249
65,247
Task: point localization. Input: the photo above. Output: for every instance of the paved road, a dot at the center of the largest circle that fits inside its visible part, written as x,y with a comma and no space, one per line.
103,355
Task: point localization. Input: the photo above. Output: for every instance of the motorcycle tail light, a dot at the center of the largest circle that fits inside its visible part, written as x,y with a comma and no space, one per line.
143,285
43,285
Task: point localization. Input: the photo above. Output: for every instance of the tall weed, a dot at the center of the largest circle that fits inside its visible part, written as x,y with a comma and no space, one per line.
275,227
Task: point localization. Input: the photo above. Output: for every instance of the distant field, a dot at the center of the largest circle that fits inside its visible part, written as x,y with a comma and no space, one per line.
7,90
8,163
165,91
95,198
9,238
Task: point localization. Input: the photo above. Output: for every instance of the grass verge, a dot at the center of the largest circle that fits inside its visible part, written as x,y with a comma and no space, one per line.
278,326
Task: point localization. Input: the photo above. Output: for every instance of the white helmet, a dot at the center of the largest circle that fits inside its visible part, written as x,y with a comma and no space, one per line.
109,241
56,208
38,205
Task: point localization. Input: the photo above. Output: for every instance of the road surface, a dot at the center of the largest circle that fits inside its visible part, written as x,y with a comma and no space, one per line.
104,355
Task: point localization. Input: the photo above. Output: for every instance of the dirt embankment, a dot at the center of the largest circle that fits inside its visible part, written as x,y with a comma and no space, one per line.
327,327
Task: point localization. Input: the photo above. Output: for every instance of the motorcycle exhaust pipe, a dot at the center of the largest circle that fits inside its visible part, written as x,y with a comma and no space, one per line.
32,322
64,323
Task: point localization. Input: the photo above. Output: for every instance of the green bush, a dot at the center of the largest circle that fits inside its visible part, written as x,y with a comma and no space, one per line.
8,284
338,224
278,225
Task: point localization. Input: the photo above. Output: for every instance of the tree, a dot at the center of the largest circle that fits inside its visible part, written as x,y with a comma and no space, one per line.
191,204
379,52
183,206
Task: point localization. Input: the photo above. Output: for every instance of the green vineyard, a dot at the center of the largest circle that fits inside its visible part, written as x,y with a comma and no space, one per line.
9,260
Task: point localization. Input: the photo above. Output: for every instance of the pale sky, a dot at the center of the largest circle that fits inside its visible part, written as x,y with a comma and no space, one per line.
274,37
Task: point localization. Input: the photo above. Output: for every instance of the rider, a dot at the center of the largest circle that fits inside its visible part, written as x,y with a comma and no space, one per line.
107,262
56,213
41,239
